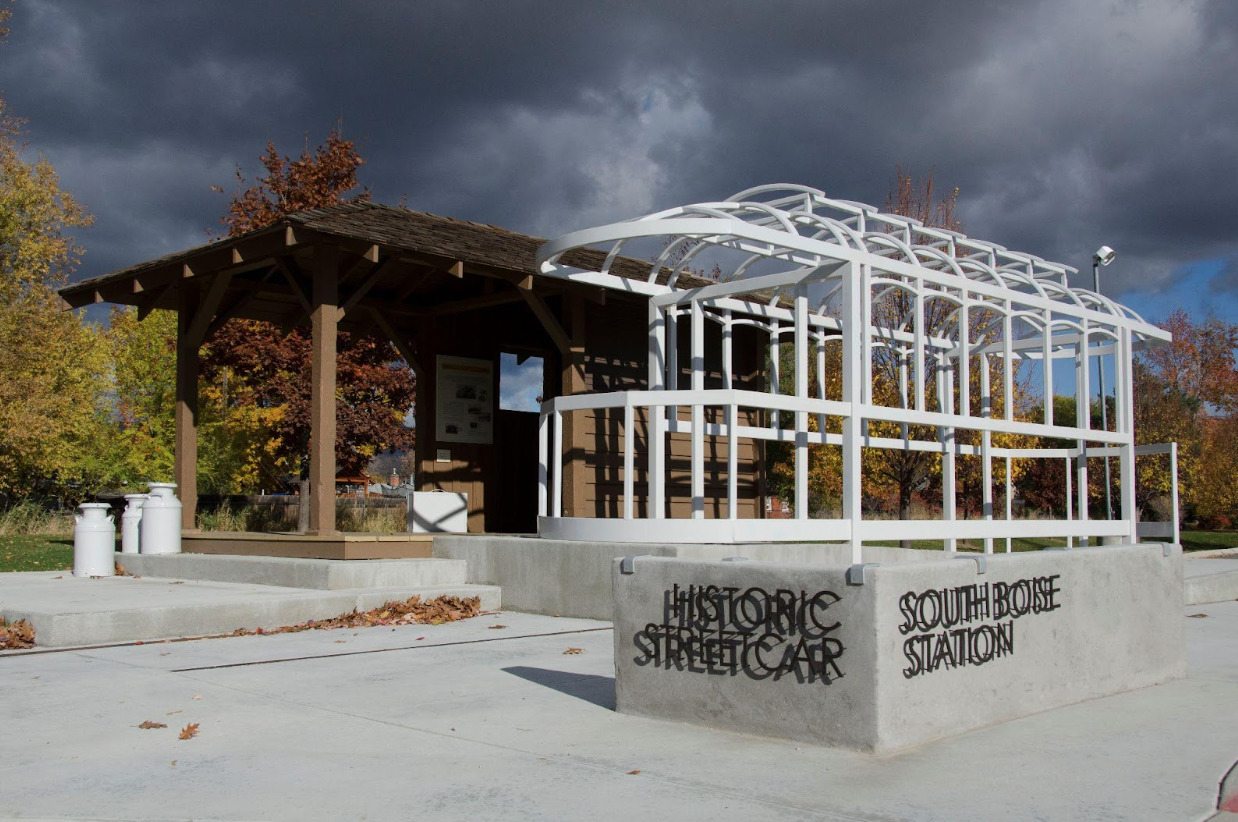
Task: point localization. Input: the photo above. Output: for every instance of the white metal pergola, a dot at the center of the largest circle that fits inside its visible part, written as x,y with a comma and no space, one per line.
936,330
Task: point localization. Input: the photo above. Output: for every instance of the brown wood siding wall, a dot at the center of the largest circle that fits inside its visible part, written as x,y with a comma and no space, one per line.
622,365
613,336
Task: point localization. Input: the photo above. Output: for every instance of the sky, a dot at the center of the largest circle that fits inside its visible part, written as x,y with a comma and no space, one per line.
1065,124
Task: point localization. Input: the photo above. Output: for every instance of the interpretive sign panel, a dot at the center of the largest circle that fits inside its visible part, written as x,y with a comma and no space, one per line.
464,411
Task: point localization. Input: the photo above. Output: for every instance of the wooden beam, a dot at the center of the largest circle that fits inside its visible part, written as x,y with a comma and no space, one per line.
473,303
413,284
222,316
288,269
549,322
398,340
206,309
361,290
150,303
457,270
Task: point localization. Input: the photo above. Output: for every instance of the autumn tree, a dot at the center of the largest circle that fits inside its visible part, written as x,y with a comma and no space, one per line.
1187,392
258,368
52,363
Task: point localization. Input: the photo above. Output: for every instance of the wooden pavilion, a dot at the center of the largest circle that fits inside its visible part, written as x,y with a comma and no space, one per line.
445,292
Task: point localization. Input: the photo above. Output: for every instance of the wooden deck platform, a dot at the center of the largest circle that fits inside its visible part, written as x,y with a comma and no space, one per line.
330,546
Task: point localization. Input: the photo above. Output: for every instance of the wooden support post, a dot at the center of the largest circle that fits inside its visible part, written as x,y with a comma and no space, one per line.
324,318
186,445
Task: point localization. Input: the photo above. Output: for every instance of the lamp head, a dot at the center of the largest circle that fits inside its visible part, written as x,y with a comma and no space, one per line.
1104,255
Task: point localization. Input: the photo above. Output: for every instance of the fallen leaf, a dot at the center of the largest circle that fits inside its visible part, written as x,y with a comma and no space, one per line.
121,571
19,634
1197,616
189,731
340,641
173,763
197,696
178,582
494,627
574,651
148,724
634,773
170,713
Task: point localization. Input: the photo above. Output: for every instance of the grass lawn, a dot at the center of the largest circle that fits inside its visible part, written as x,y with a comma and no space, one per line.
36,552
1208,540
39,552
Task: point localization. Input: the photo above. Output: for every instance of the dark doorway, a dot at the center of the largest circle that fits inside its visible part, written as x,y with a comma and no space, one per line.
511,505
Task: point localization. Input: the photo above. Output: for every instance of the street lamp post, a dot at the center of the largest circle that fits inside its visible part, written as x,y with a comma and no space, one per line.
1103,256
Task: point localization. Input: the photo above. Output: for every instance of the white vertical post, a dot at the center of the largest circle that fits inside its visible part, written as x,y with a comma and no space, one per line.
543,465
728,355
801,392
917,323
1008,367
1124,395
904,428
698,412
1173,487
1046,352
986,444
655,470
964,354
1083,421
853,282
1070,508
657,348
821,378
556,490
775,368
949,489
732,461
1009,499
629,452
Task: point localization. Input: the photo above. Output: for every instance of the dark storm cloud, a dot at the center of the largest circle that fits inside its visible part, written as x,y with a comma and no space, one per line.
1065,123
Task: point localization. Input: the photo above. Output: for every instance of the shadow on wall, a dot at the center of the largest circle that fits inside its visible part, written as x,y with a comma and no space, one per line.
600,690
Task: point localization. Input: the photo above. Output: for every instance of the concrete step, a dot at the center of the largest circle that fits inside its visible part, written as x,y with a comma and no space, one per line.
285,572
1210,577
68,611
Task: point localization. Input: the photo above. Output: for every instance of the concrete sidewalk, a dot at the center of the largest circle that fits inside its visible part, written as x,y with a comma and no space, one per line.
67,611
473,721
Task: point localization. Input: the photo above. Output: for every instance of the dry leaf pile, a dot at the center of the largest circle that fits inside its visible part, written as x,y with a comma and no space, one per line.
19,634
397,612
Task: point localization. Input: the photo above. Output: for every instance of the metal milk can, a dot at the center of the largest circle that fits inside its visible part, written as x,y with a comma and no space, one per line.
94,541
159,530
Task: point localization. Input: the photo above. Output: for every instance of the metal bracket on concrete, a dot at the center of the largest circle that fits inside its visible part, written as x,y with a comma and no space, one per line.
735,559
982,563
857,574
627,565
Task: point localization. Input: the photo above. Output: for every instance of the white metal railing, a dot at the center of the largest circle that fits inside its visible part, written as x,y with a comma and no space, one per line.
661,413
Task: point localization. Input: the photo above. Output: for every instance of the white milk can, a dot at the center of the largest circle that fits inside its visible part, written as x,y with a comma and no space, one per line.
159,530
129,521
94,541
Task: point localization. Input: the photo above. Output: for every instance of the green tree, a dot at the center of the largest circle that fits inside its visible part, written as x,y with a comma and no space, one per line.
53,365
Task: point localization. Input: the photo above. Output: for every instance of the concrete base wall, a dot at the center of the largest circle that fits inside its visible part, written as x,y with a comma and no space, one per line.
918,651
569,578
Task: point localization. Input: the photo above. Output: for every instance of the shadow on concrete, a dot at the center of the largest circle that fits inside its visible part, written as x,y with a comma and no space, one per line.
600,690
